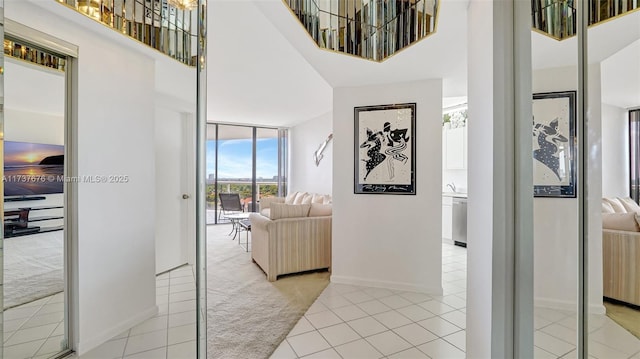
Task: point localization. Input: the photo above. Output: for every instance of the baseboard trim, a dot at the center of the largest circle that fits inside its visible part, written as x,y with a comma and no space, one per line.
567,305
385,284
85,346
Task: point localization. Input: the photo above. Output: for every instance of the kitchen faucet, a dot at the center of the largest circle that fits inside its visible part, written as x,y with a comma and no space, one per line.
452,186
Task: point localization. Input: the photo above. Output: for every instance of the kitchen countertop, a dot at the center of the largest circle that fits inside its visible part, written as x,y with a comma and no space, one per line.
454,194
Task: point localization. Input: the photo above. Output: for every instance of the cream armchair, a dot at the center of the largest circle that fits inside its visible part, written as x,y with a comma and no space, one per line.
295,238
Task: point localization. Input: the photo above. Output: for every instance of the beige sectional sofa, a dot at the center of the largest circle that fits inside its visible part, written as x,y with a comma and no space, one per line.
290,236
621,250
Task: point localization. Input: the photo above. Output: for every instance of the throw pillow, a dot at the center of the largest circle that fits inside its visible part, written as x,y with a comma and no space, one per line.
327,199
616,204
299,197
290,197
282,210
620,222
306,199
320,210
630,205
317,198
606,207
266,212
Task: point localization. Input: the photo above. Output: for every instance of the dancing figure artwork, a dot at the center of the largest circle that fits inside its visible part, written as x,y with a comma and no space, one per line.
554,144
385,149
549,140
375,157
395,142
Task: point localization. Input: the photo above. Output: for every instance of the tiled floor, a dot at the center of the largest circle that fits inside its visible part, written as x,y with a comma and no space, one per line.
34,330
171,334
361,322
345,322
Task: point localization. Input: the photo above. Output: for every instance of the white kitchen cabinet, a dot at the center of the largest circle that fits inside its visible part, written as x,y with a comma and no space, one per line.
447,217
455,148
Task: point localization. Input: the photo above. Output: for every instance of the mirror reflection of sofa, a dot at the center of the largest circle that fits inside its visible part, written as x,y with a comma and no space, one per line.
292,234
621,249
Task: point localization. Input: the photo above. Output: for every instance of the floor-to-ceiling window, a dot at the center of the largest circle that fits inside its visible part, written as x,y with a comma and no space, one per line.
244,160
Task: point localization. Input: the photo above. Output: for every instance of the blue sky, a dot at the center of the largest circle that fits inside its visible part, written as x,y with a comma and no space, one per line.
234,159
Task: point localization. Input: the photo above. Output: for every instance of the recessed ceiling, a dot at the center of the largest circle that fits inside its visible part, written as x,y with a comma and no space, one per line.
263,68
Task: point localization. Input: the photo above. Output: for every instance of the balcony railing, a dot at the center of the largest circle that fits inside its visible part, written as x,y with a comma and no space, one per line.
155,23
18,50
557,18
371,29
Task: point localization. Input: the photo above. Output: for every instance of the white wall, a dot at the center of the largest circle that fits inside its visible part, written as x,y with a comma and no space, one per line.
615,151
115,136
556,219
305,138
391,241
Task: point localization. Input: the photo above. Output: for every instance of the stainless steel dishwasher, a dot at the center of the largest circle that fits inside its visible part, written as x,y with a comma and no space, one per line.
459,233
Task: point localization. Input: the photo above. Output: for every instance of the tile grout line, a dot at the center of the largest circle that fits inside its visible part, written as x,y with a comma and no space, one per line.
26,319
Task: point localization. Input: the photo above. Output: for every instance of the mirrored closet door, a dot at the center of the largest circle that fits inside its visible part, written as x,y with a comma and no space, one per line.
34,205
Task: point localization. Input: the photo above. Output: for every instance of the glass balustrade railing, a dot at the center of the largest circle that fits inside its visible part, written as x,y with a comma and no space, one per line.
557,18
155,23
371,29
18,50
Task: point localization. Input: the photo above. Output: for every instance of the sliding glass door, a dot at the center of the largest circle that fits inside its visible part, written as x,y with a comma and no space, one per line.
243,160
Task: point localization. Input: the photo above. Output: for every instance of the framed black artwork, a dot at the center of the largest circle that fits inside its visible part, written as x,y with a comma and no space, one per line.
554,144
385,151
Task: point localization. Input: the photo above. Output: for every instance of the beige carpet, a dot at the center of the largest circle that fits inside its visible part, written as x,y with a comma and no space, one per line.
247,316
628,318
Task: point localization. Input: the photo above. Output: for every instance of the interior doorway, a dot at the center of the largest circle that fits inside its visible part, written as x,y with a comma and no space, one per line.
175,186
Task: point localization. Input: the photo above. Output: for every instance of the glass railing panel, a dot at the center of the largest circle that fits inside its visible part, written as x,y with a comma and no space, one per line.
371,29
156,23
557,18
23,52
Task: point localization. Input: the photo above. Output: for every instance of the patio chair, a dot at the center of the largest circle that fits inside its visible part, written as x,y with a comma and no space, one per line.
229,204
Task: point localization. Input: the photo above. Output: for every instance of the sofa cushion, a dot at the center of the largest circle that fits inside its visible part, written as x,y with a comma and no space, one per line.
290,197
282,210
266,212
320,210
630,205
620,222
616,204
606,207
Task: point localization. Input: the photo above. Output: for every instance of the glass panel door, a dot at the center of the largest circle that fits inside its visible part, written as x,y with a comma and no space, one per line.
211,156
266,163
235,164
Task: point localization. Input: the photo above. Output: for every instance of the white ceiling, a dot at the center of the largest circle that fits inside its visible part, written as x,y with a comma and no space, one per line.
255,76
268,71
620,75
614,44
